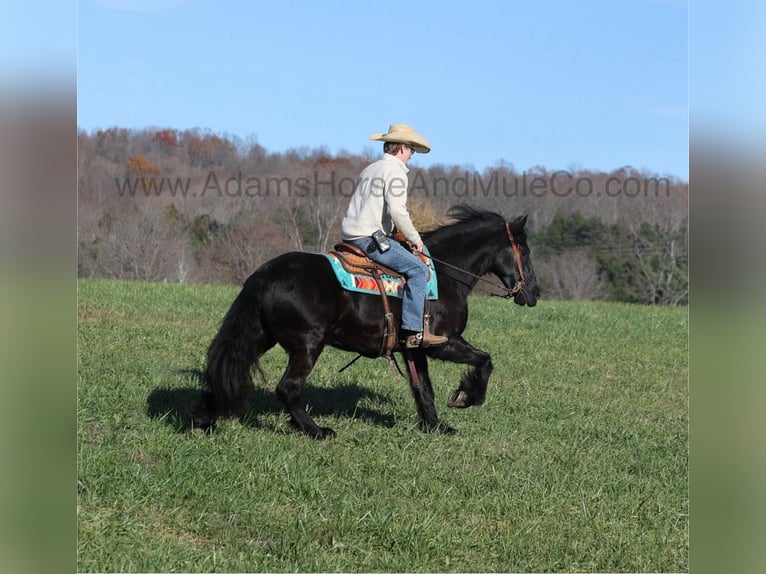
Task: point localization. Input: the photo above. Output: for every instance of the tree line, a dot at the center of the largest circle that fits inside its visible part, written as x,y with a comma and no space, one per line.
198,206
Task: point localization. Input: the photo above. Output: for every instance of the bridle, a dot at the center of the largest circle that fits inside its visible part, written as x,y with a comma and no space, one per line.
517,258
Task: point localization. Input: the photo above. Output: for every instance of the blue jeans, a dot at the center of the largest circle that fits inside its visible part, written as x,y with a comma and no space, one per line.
400,259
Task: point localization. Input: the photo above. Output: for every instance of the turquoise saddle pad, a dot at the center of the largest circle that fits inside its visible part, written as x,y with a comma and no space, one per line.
362,283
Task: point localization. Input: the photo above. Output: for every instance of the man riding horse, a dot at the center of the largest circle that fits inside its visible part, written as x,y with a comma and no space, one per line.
378,204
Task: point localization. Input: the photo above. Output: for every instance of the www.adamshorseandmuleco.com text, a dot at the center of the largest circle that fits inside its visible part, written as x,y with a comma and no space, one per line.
466,185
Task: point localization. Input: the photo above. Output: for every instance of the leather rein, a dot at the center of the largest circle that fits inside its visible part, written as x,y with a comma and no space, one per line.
509,292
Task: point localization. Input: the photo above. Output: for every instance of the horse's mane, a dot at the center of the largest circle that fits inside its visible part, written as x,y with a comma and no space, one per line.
467,213
464,217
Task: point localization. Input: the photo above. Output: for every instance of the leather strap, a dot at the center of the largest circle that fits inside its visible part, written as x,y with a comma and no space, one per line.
414,379
517,256
389,335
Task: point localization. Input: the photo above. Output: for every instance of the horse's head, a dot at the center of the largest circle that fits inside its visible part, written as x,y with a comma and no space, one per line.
514,267
481,242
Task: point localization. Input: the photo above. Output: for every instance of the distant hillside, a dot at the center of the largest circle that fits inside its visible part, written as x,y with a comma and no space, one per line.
197,206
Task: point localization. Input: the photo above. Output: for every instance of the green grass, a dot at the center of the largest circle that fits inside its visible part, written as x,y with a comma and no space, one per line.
577,462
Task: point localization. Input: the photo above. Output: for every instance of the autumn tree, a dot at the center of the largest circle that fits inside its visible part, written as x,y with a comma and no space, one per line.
141,167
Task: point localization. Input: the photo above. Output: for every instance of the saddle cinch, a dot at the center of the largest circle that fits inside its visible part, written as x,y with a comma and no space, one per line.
357,272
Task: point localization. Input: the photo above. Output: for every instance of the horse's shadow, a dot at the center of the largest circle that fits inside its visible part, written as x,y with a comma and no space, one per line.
175,406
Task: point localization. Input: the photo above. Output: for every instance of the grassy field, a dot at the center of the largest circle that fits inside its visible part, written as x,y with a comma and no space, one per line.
577,462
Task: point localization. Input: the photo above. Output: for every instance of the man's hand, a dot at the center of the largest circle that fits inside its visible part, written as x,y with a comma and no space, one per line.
417,247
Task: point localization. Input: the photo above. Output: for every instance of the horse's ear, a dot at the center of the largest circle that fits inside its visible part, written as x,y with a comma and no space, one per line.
520,222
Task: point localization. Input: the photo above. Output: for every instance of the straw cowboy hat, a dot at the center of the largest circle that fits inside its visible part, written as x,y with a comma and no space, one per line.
401,133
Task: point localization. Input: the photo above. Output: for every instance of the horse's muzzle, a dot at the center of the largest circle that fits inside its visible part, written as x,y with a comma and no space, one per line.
527,295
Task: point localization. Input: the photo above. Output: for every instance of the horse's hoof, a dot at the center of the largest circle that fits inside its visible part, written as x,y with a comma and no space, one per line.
458,400
326,434
438,428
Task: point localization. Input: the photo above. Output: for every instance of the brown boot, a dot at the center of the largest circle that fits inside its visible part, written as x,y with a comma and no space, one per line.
429,339
413,340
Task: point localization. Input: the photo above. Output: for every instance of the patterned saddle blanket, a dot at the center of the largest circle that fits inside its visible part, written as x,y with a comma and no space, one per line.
354,271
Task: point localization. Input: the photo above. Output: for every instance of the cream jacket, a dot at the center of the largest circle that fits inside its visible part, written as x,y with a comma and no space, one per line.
380,202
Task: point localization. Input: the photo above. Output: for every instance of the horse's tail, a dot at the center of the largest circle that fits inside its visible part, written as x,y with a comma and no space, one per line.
234,349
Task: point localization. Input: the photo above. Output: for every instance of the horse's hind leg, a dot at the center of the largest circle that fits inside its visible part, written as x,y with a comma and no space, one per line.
423,392
290,389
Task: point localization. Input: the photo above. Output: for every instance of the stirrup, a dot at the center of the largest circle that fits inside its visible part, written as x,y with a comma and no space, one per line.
413,341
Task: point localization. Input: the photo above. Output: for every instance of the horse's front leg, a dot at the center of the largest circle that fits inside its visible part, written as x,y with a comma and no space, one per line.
473,385
423,392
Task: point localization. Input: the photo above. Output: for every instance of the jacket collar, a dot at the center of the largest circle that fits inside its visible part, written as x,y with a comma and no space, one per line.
388,157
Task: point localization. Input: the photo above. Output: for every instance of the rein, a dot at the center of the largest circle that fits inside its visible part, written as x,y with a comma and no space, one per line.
516,256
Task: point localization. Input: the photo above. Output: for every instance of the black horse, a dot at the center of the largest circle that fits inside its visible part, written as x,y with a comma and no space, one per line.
295,300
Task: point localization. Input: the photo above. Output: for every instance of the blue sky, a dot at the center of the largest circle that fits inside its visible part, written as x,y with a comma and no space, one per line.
566,85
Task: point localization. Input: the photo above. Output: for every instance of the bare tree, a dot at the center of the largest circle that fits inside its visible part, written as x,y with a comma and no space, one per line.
241,250
294,220
142,246
571,274
661,259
